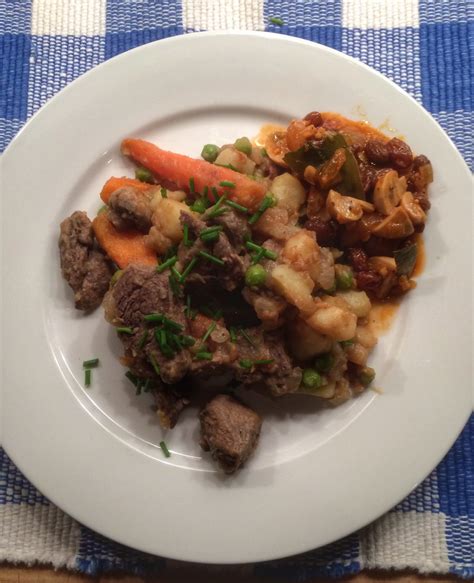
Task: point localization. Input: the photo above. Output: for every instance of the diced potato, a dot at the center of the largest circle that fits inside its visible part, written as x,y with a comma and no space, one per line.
306,343
365,336
289,192
274,223
326,276
358,302
166,218
334,322
238,160
294,286
302,252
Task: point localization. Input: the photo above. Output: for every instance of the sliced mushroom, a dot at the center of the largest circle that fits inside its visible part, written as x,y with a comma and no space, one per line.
383,264
276,148
311,175
346,209
412,207
396,226
388,191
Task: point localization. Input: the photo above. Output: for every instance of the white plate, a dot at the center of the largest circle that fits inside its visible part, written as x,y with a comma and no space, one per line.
316,476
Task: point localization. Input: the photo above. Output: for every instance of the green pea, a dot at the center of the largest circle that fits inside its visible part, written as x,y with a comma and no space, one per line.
344,277
311,378
144,175
243,145
324,363
199,206
210,152
255,275
366,375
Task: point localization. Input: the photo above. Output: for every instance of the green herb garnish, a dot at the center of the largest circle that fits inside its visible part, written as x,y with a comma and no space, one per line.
124,330
92,363
165,449
87,377
168,263
211,258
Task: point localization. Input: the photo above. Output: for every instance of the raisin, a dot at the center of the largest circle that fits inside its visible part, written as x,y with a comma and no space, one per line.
377,152
400,155
358,258
326,231
422,199
368,280
314,118
420,161
369,177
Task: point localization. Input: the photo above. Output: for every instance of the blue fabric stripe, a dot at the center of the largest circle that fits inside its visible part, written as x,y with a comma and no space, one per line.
14,487
447,75
119,42
459,127
14,71
394,52
446,10
15,16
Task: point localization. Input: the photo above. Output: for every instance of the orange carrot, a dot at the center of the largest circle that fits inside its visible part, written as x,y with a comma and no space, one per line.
180,169
123,247
114,184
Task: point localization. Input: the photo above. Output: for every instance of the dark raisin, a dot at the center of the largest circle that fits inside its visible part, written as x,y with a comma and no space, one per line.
377,152
378,246
314,118
399,153
368,280
419,228
358,258
326,231
369,177
420,161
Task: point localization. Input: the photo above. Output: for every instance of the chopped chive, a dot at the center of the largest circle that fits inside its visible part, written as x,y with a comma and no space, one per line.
165,449
258,256
188,269
233,334
176,273
266,203
253,246
261,251
124,330
276,21
146,386
215,194
188,311
154,364
199,206
269,254
227,183
162,340
237,206
210,230
174,286
176,342
143,340
217,206
92,363
87,377
204,355
246,363
186,241
247,337
212,258
192,190
172,324
209,331
153,318
264,361
168,263
205,193
210,237
131,377
139,387
163,192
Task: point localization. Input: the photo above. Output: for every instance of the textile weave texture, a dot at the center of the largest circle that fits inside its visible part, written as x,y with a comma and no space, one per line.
425,47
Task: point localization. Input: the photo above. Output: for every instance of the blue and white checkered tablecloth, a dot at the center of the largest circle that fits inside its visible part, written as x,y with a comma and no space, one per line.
424,46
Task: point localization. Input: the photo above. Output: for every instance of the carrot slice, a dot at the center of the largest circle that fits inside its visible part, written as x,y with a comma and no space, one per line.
180,169
114,184
123,247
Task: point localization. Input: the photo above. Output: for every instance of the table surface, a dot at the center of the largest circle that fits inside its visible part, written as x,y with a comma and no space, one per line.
179,573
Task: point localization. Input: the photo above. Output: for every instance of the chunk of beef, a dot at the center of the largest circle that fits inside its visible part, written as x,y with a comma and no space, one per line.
141,291
85,268
236,228
129,208
170,401
230,431
229,275
279,376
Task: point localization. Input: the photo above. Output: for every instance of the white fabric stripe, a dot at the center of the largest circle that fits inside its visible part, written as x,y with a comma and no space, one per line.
68,17
380,13
406,540
223,14
38,533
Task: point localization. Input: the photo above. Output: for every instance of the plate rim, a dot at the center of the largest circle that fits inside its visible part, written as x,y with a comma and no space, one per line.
10,151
